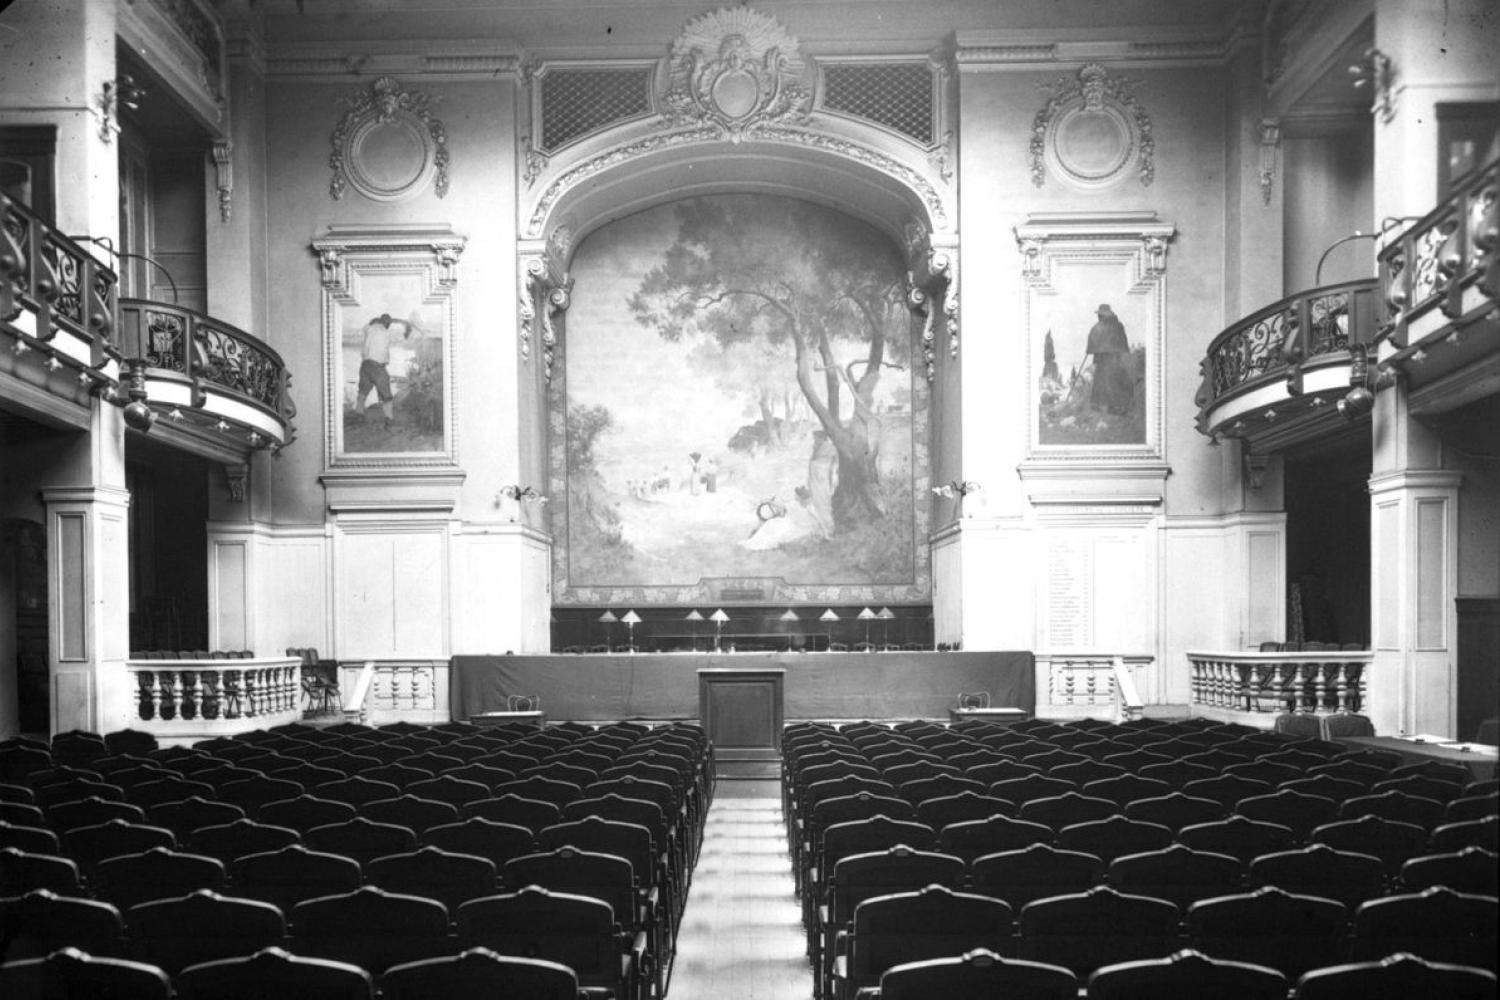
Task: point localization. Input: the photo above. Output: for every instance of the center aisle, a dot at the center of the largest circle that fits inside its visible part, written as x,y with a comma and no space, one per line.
741,930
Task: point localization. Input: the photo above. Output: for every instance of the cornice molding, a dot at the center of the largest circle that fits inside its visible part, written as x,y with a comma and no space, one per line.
440,60
981,51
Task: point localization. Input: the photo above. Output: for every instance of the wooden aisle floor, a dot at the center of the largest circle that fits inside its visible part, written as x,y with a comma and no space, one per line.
741,936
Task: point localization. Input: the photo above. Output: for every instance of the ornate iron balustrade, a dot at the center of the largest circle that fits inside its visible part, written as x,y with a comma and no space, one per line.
1311,681
212,358
1448,262
1278,341
183,699
53,294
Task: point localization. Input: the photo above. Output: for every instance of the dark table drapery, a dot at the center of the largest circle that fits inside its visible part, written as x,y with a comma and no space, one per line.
818,685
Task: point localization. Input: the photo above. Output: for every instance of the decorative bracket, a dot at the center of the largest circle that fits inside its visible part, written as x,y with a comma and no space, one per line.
1255,469
235,476
223,151
545,290
933,279
1270,147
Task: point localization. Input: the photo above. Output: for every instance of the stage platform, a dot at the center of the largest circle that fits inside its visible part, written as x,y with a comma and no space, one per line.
887,685
1479,758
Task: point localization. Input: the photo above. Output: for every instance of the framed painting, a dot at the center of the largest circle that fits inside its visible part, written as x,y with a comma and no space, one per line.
388,339
1095,301
737,415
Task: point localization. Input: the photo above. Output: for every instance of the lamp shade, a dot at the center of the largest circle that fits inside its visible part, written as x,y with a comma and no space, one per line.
631,618
719,616
828,616
693,616
608,617
885,613
789,616
866,615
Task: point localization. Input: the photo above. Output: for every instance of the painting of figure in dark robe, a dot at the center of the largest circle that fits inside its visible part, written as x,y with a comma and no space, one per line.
1092,383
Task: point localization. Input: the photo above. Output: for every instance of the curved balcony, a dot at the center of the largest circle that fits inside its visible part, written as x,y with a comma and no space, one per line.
57,317
1441,282
203,376
1277,376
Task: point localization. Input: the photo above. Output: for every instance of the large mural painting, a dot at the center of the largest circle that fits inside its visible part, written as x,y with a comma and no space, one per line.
737,412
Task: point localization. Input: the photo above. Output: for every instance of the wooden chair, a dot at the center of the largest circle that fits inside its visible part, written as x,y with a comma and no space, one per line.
361,839
1113,837
533,814
1186,975
973,838
22,871
202,926
1098,927
1438,924
979,974
1178,874
1320,870
1065,810
1035,872
1238,837
294,874
70,972
451,879
1288,932
273,973
371,928
479,972
1396,977
41,921
156,873
416,814
485,838
305,812
1471,870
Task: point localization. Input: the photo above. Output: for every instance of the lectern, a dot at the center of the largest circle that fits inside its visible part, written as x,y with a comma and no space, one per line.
742,714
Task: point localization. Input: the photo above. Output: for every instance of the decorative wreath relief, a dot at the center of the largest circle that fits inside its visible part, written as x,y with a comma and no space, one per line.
1091,131
389,145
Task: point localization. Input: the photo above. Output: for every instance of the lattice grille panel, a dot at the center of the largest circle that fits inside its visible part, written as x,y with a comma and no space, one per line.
896,95
576,102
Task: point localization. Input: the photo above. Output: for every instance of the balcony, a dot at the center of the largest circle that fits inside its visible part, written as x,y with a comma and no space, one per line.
57,319
1256,687
211,385
1440,281
1280,375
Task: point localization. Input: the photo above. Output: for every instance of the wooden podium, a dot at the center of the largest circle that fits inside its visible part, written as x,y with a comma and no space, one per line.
741,710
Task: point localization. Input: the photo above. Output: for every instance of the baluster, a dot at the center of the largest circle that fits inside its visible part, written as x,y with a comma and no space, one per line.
146,684
404,687
232,680
423,692
211,682
253,694
190,694
1340,683
169,708
287,701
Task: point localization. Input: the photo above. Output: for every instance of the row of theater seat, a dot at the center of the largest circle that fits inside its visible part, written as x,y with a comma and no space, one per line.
1104,815
626,828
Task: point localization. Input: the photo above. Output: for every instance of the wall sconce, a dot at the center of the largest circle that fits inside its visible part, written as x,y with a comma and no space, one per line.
957,488
138,413
520,494
121,92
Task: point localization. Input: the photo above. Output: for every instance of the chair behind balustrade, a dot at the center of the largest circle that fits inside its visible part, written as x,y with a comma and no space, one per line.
202,926
71,972
479,972
1396,977
41,921
1097,927
1438,924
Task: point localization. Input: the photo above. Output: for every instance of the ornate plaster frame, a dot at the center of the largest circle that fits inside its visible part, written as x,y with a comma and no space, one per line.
350,255
384,104
1051,246
1092,91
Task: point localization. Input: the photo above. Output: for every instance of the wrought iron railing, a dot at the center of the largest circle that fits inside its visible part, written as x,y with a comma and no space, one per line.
1453,247
50,285
207,352
1274,342
1309,681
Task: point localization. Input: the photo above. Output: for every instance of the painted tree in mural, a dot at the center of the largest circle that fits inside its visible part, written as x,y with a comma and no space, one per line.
760,272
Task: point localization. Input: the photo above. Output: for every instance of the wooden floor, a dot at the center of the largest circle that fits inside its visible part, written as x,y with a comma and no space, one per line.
741,934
